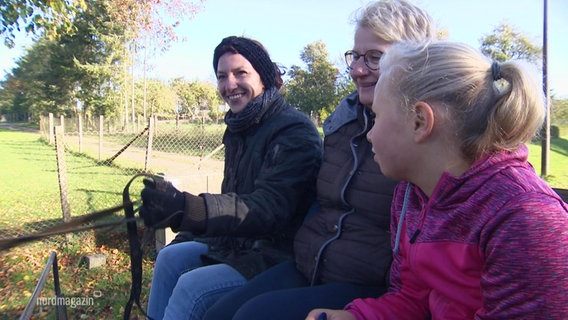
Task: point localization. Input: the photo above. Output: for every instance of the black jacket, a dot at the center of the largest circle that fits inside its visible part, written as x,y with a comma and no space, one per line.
268,186
348,238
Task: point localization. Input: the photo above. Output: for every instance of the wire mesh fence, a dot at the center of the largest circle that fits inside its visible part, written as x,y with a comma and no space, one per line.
180,149
189,154
101,155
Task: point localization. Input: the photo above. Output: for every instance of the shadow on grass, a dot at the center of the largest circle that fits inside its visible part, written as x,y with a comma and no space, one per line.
559,145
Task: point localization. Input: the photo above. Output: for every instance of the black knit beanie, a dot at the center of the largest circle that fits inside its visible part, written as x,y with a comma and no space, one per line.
253,52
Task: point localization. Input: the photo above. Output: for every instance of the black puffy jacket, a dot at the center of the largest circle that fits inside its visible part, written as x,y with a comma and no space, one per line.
348,238
268,186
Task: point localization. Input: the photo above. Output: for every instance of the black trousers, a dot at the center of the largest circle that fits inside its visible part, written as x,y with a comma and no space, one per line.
282,292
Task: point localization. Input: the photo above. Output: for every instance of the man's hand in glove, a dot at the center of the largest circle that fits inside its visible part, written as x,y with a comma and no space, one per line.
163,205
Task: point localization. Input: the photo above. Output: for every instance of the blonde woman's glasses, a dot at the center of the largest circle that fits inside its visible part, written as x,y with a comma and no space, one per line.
371,58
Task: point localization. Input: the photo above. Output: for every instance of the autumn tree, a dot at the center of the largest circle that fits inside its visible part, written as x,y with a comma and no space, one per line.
506,43
37,16
52,17
149,28
87,55
55,73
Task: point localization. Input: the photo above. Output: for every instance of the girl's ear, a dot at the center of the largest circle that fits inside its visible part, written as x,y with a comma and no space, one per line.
423,121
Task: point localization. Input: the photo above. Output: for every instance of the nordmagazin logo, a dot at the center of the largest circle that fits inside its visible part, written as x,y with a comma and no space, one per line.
71,302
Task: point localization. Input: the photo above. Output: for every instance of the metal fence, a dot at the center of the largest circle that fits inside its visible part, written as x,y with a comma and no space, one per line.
180,149
189,154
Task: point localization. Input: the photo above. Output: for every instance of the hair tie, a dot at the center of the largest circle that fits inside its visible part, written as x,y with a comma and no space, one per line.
496,70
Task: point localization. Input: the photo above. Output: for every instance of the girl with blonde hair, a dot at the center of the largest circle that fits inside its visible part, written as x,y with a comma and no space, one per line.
476,233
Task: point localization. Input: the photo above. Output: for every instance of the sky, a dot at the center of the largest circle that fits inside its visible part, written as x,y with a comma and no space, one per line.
285,27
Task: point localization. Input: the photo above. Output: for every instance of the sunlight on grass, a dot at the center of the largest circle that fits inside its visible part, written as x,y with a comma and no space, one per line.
557,163
31,202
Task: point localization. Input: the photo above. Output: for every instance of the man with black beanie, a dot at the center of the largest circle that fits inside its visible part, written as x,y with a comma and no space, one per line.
272,156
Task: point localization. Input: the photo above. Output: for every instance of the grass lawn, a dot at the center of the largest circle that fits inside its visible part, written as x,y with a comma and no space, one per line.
558,162
30,202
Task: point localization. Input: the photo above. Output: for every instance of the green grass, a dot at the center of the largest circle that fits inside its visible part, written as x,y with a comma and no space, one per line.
558,162
31,202
31,181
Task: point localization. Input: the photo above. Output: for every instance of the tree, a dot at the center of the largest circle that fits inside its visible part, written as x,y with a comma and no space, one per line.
51,17
55,73
161,98
313,90
559,111
30,83
196,97
36,16
88,61
12,98
505,43
345,84
147,28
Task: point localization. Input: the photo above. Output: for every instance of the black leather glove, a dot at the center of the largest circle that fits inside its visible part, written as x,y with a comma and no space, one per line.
162,204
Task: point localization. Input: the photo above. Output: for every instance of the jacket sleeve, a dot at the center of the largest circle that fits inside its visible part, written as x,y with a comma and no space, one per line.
287,174
526,273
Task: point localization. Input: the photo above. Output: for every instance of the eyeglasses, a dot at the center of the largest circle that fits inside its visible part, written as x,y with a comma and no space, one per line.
371,58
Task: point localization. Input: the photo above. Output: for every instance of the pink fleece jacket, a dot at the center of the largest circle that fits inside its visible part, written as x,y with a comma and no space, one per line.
490,244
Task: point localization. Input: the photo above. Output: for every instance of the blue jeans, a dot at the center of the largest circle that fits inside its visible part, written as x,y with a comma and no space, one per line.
182,288
282,293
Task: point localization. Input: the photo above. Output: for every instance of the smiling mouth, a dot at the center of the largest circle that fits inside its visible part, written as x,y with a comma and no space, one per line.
235,96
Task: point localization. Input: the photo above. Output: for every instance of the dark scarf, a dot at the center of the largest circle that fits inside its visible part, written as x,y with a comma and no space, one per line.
253,113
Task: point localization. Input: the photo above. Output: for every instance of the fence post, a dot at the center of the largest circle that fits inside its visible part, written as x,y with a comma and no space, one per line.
62,123
101,129
62,173
50,129
80,127
151,129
